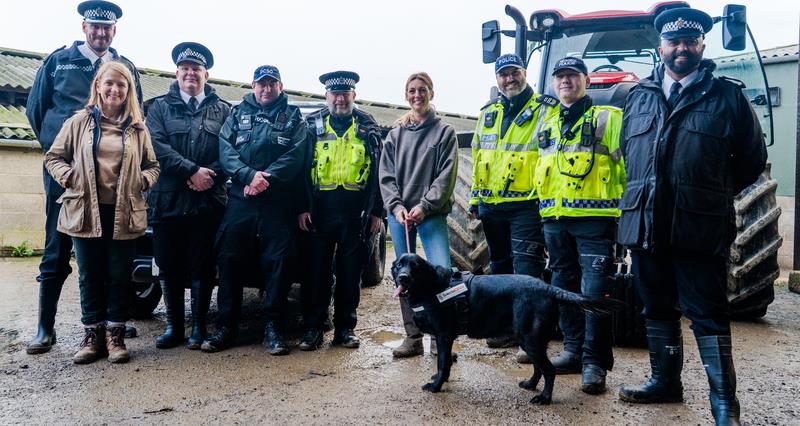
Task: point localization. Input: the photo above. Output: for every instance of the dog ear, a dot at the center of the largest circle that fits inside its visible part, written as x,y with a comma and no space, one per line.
443,274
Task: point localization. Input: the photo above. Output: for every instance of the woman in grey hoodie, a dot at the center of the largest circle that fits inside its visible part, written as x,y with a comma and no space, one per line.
417,176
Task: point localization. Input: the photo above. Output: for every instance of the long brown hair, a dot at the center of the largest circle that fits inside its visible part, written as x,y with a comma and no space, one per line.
422,76
131,106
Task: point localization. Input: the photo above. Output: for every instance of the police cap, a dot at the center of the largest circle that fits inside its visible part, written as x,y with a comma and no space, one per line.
99,12
683,22
339,81
571,63
508,60
189,51
265,71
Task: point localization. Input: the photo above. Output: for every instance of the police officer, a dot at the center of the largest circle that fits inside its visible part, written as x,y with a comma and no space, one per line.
61,87
691,143
343,208
262,144
580,177
504,155
187,202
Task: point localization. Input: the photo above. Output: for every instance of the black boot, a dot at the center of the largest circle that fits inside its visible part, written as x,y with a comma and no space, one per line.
273,340
666,361
173,299
715,351
223,339
201,298
49,292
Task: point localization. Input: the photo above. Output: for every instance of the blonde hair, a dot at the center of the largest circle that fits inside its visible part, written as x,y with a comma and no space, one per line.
131,107
422,76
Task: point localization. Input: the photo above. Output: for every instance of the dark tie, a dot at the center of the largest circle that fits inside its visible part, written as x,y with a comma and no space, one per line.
674,95
193,104
97,64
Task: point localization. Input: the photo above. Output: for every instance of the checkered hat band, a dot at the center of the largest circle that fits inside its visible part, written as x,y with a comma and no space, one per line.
681,24
189,53
99,13
341,81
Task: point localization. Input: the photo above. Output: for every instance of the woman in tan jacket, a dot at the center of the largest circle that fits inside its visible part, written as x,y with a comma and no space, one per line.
103,158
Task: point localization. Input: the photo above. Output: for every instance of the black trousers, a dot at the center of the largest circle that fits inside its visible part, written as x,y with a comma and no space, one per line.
581,256
184,248
675,282
104,273
335,240
252,245
515,238
54,267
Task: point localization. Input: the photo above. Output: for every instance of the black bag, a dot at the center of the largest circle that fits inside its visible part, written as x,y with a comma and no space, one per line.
627,323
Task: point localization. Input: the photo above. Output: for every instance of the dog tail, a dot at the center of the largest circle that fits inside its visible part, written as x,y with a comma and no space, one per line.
598,305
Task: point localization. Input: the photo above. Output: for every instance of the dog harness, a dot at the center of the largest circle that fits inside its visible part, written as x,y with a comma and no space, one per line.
455,298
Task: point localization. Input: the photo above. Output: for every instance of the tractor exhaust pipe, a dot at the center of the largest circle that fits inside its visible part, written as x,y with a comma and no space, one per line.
520,39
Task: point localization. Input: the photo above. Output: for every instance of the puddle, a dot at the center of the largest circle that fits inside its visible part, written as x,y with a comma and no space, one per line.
387,338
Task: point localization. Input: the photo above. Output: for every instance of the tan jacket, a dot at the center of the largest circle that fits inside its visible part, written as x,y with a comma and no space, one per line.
70,161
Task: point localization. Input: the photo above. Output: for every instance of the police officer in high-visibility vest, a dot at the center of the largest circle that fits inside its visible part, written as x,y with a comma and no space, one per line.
504,155
261,148
580,177
342,209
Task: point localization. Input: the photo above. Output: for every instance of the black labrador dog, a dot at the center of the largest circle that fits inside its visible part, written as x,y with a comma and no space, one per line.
488,306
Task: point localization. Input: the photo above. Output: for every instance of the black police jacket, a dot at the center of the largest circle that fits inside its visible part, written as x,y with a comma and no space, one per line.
685,166
270,139
184,141
370,198
61,87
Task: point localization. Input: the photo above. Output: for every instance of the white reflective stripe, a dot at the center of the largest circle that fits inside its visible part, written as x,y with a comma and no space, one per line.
521,147
602,121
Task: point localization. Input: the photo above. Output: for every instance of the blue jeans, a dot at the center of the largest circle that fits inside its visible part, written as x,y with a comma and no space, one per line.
435,241
581,256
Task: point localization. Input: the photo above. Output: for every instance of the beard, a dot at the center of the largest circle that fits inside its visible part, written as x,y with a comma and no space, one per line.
690,64
341,112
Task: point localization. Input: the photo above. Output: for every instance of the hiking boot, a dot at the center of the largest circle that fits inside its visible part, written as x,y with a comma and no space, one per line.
347,338
411,346
311,340
115,344
593,379
92,346
567,363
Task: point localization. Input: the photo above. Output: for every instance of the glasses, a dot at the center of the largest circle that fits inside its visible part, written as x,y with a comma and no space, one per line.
687,41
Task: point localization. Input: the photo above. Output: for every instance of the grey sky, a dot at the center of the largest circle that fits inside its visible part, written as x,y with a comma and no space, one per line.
384,41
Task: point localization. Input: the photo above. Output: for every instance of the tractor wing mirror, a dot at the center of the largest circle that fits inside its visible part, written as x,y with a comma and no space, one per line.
734,27
490,35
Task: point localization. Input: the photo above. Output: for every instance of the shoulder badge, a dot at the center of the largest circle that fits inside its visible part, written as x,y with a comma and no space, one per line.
738,83
547,100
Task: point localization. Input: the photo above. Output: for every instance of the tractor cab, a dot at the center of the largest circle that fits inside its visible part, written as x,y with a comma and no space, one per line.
620,47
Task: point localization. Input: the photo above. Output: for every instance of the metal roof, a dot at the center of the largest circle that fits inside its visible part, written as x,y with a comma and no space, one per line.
18,70
773,55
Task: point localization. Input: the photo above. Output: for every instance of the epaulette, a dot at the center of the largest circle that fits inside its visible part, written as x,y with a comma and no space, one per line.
364,118
311,118
490,103
55,51
547,100
736,82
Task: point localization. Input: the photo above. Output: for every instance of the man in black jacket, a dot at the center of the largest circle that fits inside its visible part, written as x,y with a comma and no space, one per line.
343,208
187,202
61,87
691,142
261,148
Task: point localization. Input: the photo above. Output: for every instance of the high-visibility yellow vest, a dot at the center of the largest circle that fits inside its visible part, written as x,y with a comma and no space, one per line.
503,167
340,161
581,172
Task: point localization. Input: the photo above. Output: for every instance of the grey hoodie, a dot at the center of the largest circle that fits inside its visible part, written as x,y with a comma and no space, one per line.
418,167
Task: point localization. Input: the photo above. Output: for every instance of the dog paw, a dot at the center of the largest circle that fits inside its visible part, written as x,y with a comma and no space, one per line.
431,387
527,384
541,400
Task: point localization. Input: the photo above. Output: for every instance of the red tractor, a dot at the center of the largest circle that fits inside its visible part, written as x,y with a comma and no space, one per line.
620,47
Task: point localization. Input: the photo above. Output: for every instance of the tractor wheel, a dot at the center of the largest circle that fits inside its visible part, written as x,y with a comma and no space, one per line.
753,263
468,249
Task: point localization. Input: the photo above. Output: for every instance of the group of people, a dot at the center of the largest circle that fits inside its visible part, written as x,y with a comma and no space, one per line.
557,182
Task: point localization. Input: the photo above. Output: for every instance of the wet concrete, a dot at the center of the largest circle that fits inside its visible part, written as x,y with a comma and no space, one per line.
363,386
